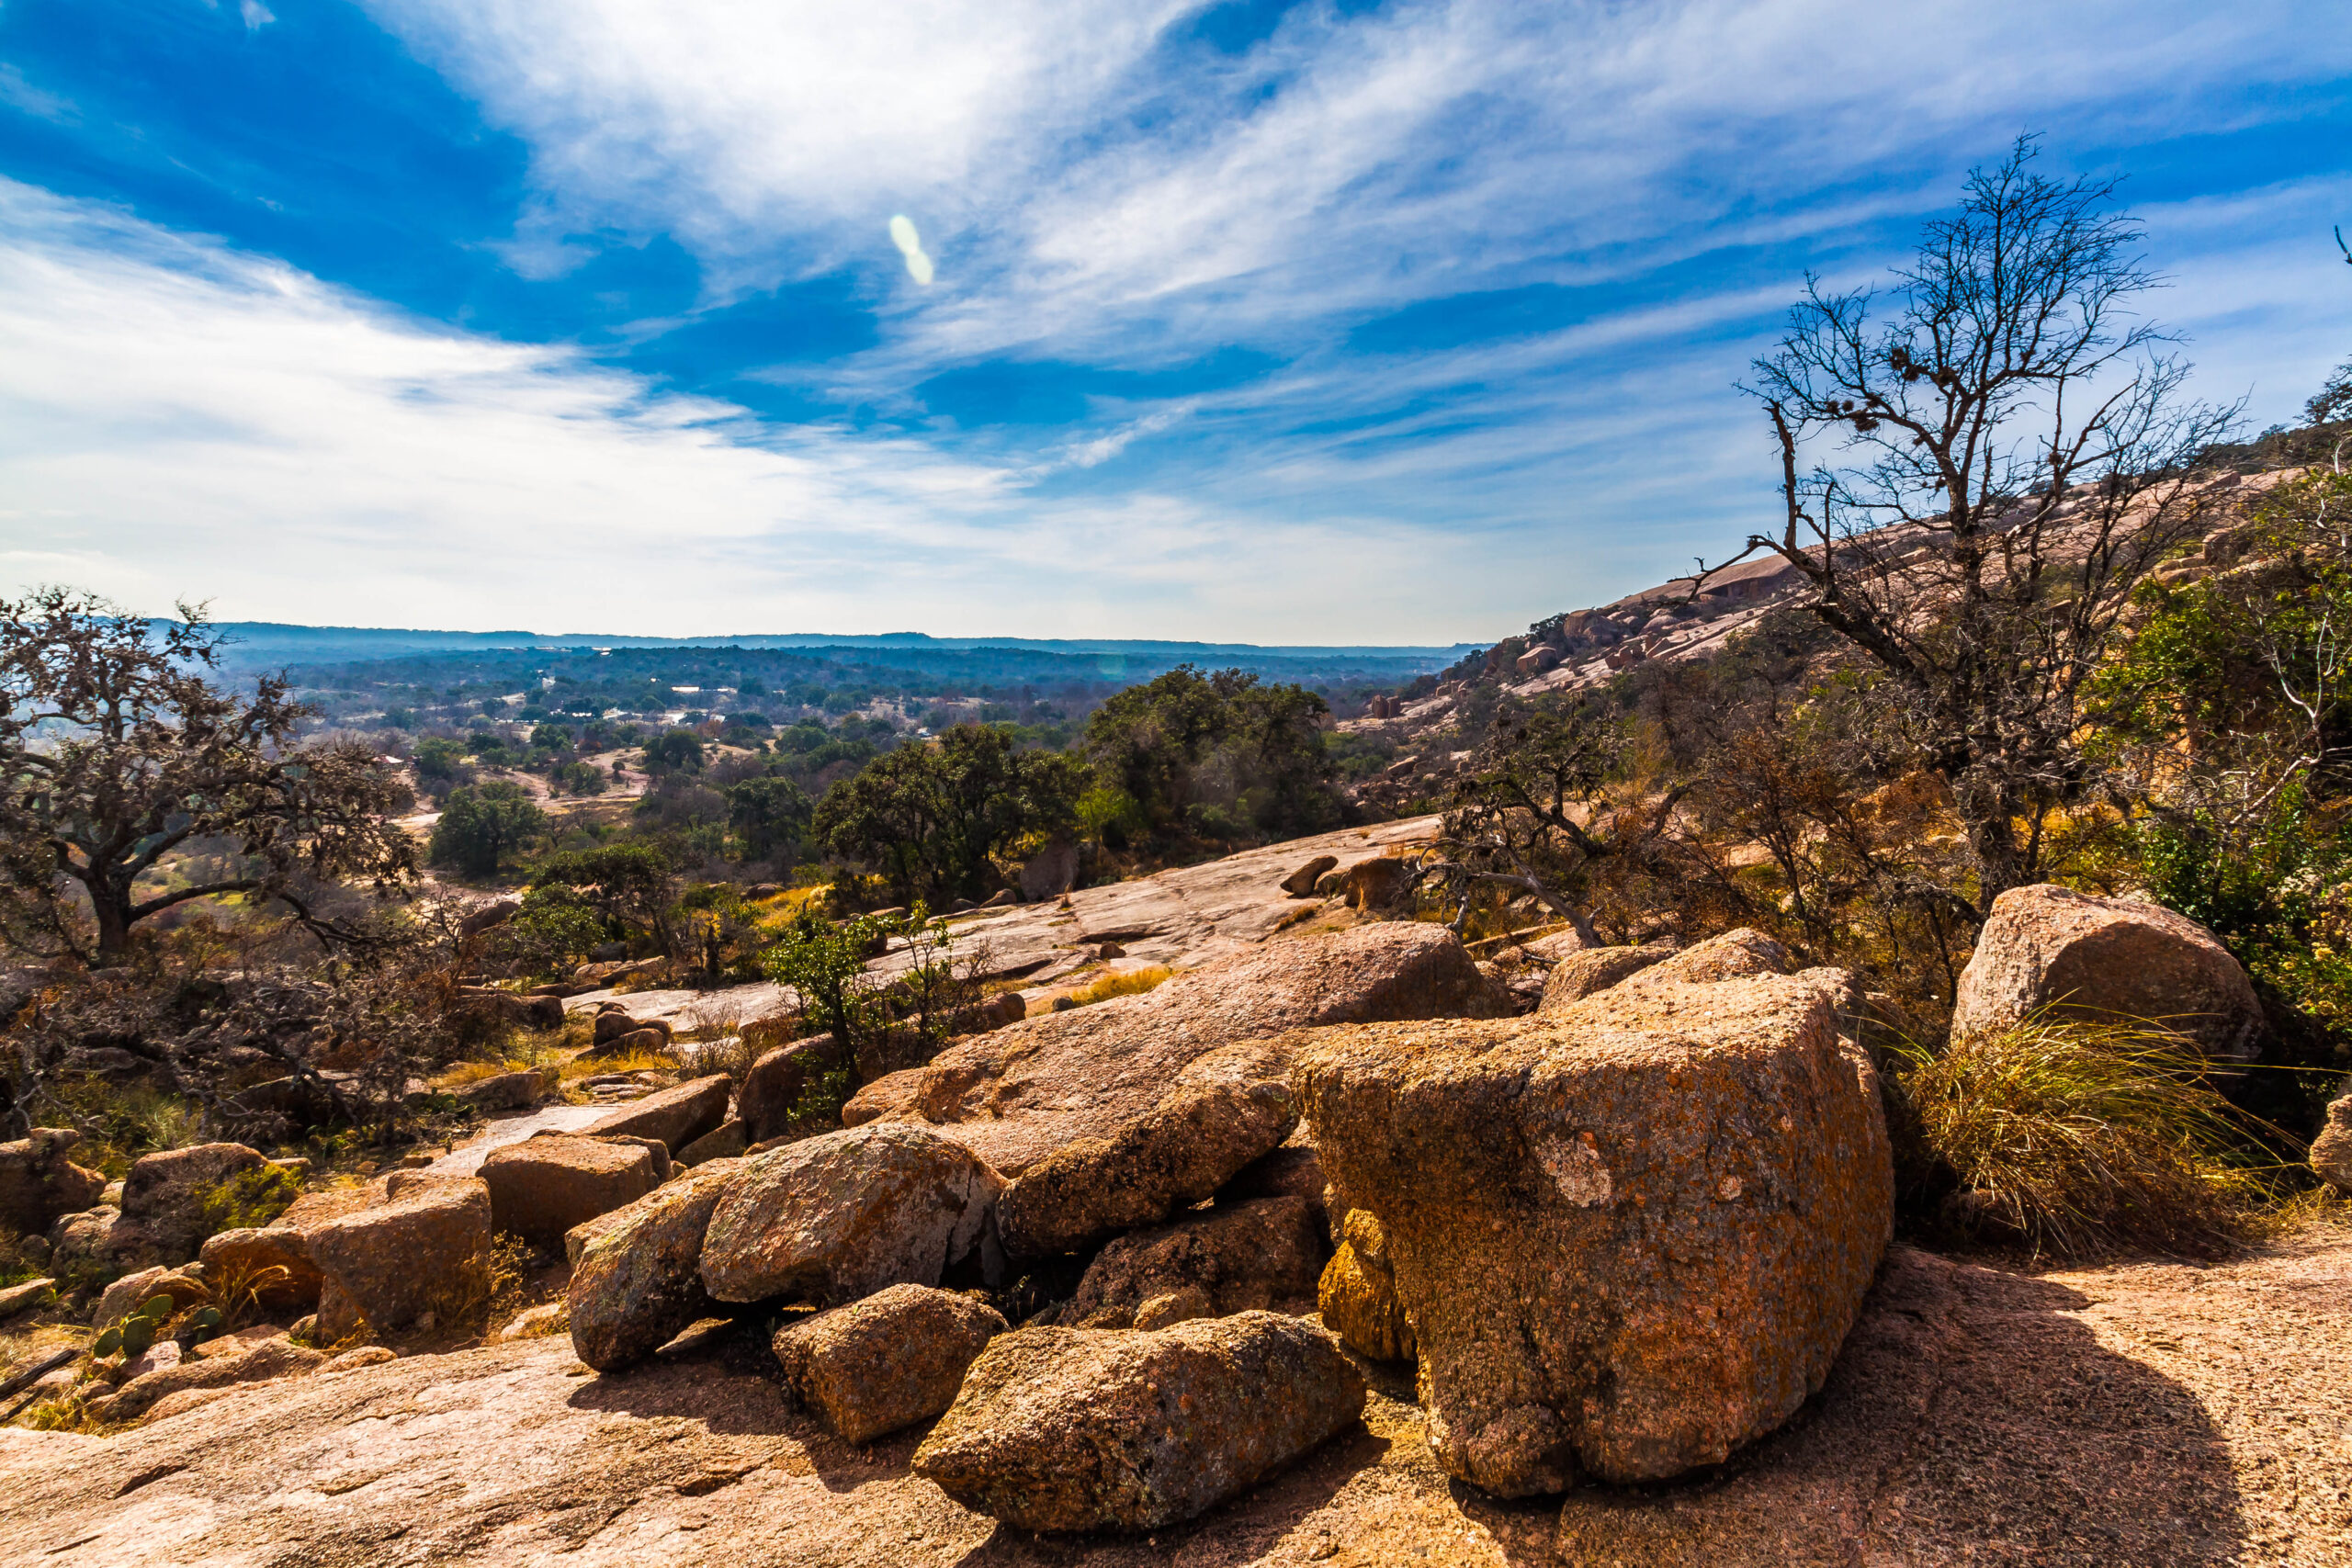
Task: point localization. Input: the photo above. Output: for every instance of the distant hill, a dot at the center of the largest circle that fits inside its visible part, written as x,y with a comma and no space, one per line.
270,644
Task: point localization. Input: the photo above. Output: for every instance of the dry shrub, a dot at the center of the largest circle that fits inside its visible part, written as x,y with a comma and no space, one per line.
2079,1138
630,1061
1121,983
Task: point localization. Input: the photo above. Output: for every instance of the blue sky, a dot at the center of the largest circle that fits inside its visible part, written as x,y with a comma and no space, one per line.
1314,322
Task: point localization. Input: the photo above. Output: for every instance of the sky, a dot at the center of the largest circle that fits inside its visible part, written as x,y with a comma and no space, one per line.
1338,322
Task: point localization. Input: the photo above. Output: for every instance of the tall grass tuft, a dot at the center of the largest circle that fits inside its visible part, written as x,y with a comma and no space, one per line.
2081,1138
1121,983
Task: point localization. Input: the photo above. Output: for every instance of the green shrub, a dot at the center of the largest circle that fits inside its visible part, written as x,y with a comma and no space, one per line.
250,1198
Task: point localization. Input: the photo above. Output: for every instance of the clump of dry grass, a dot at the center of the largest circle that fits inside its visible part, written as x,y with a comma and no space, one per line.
1121,983
2080,1138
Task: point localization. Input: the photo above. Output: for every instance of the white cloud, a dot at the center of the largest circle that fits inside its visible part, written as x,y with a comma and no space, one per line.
180,421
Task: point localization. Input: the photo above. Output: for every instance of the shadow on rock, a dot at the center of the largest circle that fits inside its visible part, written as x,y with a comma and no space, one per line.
1967,1416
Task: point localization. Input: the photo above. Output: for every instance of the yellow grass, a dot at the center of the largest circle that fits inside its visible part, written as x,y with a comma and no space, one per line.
1121,983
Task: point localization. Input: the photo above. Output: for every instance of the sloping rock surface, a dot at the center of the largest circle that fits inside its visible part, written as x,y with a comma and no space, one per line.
1015,1095
2159,1415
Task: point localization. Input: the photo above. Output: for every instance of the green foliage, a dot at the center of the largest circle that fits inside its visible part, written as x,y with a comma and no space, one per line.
769,817
824,965
629,887
108,1342
136,1334
1220,753
249,1199
676,751
556,929
482,825
579,778
1110,816
721,931
440,761
930,817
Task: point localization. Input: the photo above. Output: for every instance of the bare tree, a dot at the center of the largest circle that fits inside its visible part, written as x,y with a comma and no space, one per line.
2007,457
116,753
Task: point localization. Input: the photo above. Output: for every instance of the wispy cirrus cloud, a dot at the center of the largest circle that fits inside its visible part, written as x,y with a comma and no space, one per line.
1407,321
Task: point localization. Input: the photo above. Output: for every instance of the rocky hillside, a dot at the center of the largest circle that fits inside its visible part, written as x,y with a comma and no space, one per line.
1339,1245
1684,619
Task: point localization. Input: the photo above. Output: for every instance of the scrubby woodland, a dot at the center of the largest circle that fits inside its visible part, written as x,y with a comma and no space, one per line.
2039,659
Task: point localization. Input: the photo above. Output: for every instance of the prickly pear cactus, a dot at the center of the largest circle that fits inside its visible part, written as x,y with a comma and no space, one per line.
107,1342
138,1333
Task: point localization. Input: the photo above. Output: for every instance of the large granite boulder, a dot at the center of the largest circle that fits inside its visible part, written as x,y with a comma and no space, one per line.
844,1215
1628,1236
2331,1150
2111,960
426,1250
1235,1108
542,1187
1074,1429
677,1117
1018,1094
39,1183
1266,1253
638,1283
165,1197
878,1365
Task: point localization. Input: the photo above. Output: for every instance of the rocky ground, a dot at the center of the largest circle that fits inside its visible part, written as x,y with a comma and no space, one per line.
1179,918
2148,1413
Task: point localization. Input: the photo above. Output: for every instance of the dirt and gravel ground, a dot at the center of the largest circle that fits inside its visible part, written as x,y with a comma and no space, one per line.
2137,1414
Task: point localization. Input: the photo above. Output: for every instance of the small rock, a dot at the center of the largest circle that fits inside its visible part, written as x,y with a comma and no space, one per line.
2331,1150
1578,975
272,1264
770,1102
897,1358
23,1297
506,1091
675,1116
165,1194
1300,883
39,1184
726,1141
1357,1295
363,1356
542,1187
2106,960
1266,1253
532,1323
1071,1429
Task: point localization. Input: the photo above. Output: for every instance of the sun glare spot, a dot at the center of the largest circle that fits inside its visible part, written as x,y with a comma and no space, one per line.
910,243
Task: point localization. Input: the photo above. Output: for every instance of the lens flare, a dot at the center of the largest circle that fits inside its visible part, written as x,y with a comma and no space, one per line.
910,243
